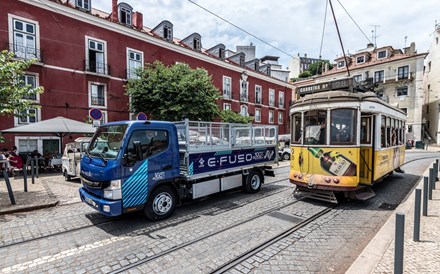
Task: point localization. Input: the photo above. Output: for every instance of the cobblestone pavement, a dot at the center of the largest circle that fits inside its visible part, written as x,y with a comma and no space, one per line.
83,241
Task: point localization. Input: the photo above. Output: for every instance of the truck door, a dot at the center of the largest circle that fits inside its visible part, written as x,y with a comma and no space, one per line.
141,176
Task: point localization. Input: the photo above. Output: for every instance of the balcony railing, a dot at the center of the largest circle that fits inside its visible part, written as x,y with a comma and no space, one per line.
243,98
258,101
97,67
98,101
24,52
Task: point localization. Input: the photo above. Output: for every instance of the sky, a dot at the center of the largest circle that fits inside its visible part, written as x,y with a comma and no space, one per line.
295,27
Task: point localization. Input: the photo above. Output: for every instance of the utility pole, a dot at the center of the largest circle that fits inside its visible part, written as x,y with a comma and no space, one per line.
374,33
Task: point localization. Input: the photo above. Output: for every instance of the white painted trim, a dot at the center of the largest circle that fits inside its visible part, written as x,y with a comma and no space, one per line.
102,23
128,57
261,94
273,118
87,38
280,116
38,119
271,92
37,83
11,31
227,104
259,120
89,85
39,141
230,86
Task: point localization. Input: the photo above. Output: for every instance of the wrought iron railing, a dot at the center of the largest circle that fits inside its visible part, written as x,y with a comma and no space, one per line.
97,67
24,52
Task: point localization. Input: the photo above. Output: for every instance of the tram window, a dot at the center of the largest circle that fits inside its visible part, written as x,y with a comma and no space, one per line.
388,125
382,132
366,130
314,125
343,126
296,128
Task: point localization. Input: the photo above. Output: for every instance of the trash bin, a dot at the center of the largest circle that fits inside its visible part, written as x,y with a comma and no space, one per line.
420,144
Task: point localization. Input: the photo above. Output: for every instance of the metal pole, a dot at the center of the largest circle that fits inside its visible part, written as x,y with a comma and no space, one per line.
25,178
8,185
430,183
33,171
399,242
417,215
36,166
425,196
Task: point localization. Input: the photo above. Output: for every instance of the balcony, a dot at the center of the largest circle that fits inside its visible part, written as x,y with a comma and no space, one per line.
258,101
244,98
97,67
26,53
98,101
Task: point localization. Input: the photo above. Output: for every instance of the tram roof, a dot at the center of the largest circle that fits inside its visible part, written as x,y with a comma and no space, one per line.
341,96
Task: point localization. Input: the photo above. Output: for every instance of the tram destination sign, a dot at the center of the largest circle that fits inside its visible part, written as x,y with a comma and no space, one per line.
343,84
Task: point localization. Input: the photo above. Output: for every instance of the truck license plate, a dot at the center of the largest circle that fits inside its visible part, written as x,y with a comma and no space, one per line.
90,201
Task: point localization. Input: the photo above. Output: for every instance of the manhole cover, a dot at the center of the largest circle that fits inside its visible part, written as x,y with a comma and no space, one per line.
225,205
388,206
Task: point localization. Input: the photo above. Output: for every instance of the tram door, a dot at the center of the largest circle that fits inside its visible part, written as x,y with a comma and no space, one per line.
366,150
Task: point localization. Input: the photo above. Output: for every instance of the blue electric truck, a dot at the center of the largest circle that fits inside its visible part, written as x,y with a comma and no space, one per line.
154,165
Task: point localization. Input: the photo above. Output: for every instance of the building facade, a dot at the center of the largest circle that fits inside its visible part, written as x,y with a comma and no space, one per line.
397,77
298,65
431,117
85,57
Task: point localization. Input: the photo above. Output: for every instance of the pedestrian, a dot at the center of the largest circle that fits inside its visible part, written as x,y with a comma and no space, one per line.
4,156
15,162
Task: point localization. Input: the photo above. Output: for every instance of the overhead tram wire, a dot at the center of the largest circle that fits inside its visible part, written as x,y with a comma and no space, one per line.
322,36
340,39
243,30
354,21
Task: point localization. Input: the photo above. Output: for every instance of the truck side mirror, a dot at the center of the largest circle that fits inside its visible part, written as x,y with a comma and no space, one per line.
138,149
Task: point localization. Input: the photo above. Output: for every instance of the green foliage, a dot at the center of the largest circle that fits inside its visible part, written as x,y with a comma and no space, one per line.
229,116
317,67
13,91
305,74
173,93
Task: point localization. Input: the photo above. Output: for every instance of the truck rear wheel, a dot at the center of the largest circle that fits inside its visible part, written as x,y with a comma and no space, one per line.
253,181
161,203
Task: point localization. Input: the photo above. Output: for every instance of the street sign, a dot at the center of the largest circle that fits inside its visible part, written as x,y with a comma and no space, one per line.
95,114
141,116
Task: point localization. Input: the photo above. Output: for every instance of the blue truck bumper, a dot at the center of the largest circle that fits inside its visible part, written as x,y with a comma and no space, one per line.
105,207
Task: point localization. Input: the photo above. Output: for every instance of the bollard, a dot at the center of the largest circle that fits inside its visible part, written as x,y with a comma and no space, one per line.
25,178
37,169
425,196
417,215
32,171
399,241
8,186
430,183
435,173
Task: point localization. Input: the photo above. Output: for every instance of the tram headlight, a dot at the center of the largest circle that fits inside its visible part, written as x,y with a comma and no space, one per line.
113,191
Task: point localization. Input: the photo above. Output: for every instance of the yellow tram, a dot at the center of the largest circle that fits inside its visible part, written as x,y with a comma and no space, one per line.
343,142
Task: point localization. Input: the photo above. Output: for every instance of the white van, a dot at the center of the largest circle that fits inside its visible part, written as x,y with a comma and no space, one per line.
71,160
284,147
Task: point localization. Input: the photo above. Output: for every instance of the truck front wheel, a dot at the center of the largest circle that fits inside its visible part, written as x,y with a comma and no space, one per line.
253,181
67,177
161,203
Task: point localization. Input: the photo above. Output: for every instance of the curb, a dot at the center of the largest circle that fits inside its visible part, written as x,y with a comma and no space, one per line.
29,208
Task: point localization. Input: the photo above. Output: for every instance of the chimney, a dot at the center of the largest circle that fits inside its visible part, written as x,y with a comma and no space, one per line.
370,45
138,20
114,16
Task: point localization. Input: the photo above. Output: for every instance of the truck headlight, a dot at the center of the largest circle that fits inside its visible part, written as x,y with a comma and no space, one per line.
113,191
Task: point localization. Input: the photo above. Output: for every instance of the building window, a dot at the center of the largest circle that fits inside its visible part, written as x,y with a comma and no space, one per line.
134,62
196,43
341,64
83,4
280,117
357,78
244,110
28,116
167,33
360,59
24,39
125,14
271,116
96,57
257,115
30,80
227,87
382,54
226,106
244,90
221,53
402,72
281,99
402,91
258,94
97,95
271,97
379,76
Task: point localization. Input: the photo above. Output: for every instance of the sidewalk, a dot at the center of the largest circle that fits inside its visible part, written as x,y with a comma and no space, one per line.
418,257
49,190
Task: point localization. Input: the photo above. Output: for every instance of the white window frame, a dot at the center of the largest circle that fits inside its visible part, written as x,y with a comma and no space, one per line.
271,97
85,4
227,106
37,84
271,118
227,94
407,91
358,76
104,70
258,117
280,117
281,99
244,90
11,18
131,71
196,43
397,72
341,64
19,122
128,15
90,95
244,111
386,54
258,95
363,60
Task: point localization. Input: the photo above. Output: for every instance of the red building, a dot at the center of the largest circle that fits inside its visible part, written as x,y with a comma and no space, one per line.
85,57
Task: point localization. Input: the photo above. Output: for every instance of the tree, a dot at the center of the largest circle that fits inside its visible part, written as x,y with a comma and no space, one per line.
229,116
14,93
317,67
305,74
173,93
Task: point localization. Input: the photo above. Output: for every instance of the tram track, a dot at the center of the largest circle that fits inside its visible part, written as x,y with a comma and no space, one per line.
174,222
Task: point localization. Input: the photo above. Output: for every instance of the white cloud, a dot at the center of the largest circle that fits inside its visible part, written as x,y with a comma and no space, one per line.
294,26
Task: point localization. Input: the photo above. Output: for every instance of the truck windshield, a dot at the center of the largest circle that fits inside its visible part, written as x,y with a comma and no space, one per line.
107,142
